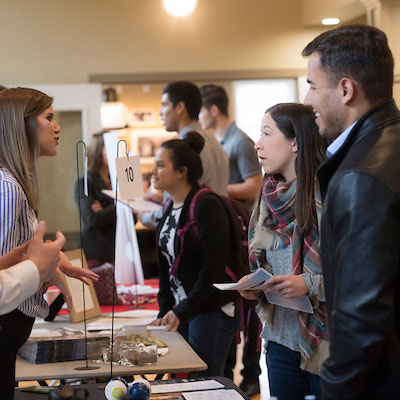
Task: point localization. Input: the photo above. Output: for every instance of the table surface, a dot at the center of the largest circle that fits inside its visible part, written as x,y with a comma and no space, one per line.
180,358
97,392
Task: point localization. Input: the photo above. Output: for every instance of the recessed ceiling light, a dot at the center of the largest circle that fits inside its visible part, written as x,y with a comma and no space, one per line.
330,21
179,8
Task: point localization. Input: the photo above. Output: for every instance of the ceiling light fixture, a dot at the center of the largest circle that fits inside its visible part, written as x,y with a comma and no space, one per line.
179,8
330,21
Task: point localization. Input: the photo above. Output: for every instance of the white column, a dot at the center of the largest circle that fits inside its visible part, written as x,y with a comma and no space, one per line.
385,15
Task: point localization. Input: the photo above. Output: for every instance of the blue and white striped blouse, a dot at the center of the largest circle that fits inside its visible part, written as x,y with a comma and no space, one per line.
17,225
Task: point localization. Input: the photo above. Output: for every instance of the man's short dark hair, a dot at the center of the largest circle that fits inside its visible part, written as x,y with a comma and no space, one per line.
359,52
215,95
187,92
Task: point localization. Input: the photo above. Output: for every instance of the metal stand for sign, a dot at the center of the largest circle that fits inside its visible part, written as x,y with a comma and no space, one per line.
80,197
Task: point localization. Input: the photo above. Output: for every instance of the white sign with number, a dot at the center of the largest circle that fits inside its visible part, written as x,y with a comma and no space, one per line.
129,177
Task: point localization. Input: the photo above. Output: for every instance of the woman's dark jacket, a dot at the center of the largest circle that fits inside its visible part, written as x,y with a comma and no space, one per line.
360,244
203,261
98,231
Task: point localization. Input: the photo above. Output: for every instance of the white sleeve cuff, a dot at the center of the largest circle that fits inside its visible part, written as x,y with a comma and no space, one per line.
17,283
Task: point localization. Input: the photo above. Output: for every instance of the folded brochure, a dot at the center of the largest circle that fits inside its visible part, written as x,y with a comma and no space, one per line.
256,279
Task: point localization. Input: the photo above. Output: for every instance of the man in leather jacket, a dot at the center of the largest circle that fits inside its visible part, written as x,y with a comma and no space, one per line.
350,72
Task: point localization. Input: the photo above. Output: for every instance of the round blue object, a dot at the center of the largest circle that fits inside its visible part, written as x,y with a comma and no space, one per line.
138,391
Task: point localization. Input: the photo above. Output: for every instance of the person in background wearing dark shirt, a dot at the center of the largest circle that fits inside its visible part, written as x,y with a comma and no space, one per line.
97,209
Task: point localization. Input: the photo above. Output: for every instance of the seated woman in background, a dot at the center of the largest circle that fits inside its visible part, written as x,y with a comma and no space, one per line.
284,239
97,209
187,299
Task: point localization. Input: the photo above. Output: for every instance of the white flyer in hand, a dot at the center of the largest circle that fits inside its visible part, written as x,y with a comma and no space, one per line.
129,177
256,279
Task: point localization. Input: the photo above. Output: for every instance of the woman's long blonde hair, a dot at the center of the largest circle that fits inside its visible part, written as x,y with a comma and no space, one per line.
19,141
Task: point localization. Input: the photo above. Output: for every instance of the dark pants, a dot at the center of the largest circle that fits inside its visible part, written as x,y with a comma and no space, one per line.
251,349
286,380
210,335
15,328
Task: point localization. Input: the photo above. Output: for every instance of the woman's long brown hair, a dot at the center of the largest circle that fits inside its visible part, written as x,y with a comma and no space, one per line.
19,142
298,121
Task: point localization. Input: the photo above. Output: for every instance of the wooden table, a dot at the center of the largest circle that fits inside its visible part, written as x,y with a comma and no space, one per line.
180,358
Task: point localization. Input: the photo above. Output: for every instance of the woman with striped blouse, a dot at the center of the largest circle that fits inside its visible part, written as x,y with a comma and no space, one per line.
28,130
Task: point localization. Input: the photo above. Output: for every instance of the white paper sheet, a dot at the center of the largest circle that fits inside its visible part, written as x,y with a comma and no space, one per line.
155,327
138,203
186,386
129,176
134,314
103,324
256,279
39,333
224,394
301,303
141,205
85,184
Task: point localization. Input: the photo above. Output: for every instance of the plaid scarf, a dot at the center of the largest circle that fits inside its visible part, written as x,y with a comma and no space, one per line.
278,198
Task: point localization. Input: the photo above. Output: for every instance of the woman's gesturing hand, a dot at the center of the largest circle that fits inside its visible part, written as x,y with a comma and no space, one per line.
83,274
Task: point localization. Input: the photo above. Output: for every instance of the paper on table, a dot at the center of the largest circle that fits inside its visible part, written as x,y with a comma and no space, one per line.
138,203
186,386
103,324
257,278
35,333
136,289
155,327
223,394
134,314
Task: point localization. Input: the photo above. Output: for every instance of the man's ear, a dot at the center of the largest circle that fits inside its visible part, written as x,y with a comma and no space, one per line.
214,110
180,107
348,90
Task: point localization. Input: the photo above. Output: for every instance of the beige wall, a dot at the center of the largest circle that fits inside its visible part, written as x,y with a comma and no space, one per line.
57,177
65,41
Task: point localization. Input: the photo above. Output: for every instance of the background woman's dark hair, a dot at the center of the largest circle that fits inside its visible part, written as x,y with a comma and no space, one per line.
186,153
95,153
298,121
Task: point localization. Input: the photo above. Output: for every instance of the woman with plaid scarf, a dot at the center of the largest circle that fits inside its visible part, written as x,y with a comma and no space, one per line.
284,239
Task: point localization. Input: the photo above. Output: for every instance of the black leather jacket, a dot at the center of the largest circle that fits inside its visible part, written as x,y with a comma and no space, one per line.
360,243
